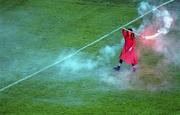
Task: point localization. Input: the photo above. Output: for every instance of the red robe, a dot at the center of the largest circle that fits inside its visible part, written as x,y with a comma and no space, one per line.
129,57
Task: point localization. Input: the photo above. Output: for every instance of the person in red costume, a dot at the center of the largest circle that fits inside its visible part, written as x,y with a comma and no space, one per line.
128,53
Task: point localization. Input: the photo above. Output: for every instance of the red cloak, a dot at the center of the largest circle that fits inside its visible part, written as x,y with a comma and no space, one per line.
128,53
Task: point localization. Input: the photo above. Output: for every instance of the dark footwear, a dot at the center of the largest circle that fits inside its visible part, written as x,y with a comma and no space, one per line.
134,69
117,68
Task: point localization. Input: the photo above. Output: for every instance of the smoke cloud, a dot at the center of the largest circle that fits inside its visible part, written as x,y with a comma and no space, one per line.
97,67
158,29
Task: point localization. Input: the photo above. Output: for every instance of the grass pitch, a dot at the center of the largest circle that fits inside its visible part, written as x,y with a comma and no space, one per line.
34,33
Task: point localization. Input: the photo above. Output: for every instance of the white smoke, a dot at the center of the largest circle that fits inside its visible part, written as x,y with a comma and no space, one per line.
159,27
107,53
85,61
98,67
160,18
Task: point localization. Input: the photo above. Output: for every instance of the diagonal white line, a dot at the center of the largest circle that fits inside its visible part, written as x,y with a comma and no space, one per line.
86,46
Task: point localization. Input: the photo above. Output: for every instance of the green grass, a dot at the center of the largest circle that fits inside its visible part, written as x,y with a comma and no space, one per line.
34,33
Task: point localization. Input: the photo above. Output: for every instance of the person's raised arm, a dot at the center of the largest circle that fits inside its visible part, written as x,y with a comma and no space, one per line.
124,32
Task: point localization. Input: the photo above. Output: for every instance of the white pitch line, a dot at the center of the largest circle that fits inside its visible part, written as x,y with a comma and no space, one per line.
90,44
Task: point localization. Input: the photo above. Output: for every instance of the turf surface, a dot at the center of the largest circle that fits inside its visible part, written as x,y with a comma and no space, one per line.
34,33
